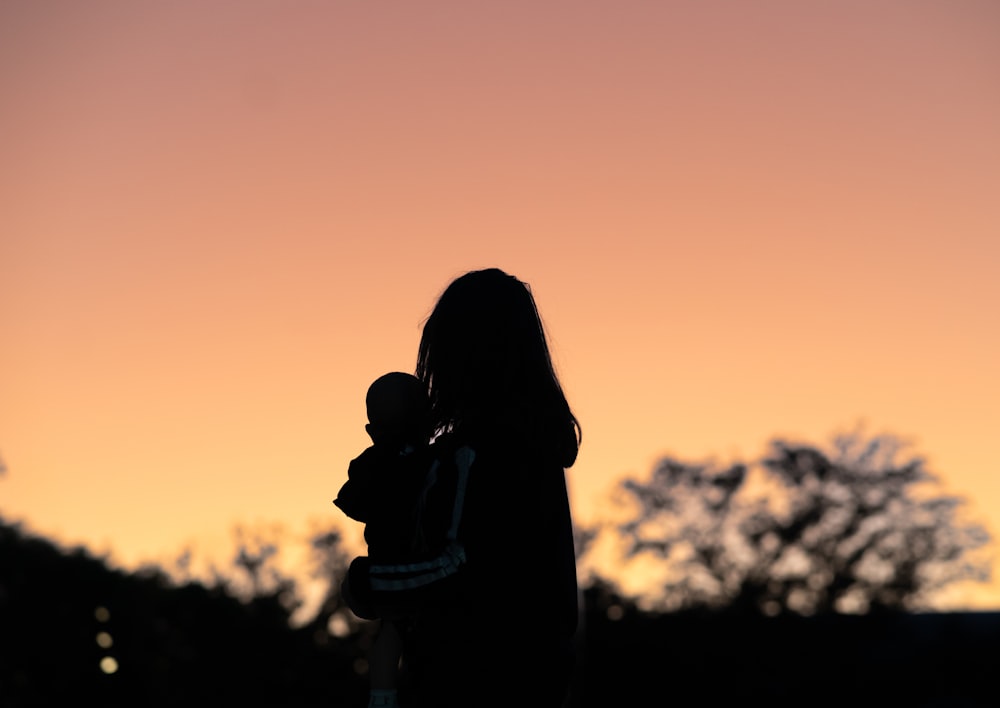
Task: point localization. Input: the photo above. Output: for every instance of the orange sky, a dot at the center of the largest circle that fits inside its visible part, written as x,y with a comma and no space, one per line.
220,220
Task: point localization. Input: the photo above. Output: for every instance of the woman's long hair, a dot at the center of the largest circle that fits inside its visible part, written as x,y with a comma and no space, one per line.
485,361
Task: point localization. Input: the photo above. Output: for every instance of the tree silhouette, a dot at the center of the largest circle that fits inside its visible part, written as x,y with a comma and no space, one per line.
75,629
328,564
856,529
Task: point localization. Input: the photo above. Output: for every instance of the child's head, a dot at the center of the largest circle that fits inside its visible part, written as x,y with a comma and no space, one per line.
398,410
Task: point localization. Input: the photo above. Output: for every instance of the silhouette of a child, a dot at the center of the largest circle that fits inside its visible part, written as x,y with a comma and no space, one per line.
381,489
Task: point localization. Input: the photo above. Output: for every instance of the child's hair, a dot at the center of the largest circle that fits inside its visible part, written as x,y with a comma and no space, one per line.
398,408
485,361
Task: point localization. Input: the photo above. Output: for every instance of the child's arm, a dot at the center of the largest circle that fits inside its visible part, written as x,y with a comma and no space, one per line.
355,497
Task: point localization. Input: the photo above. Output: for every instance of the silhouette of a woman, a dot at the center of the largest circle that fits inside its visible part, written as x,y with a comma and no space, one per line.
504,634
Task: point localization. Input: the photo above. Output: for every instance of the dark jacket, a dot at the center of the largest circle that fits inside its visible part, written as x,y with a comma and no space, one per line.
500,631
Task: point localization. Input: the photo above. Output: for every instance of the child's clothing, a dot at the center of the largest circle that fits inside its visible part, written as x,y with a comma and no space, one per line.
382,489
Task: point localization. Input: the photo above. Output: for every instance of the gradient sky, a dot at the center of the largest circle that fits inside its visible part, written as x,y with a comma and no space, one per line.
220,220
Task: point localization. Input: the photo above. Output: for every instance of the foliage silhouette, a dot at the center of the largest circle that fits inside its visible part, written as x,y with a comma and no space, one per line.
199,645
856,529
847,517
172,644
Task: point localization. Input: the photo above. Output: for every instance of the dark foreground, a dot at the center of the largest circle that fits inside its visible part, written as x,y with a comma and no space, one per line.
73,632
913,660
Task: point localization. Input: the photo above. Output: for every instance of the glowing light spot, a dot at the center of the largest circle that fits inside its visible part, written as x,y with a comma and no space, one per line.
104,640
102,614
338,626
615,612
109,665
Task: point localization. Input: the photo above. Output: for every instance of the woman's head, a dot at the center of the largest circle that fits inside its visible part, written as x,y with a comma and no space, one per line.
486,363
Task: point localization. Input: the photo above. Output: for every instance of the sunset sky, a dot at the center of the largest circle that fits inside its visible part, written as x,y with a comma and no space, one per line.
220,220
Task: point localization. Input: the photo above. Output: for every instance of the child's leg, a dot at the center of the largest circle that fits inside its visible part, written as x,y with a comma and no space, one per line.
383,659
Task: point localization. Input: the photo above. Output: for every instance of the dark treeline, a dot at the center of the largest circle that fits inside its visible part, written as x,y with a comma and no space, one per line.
171,645
197,644
689,658
808,596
